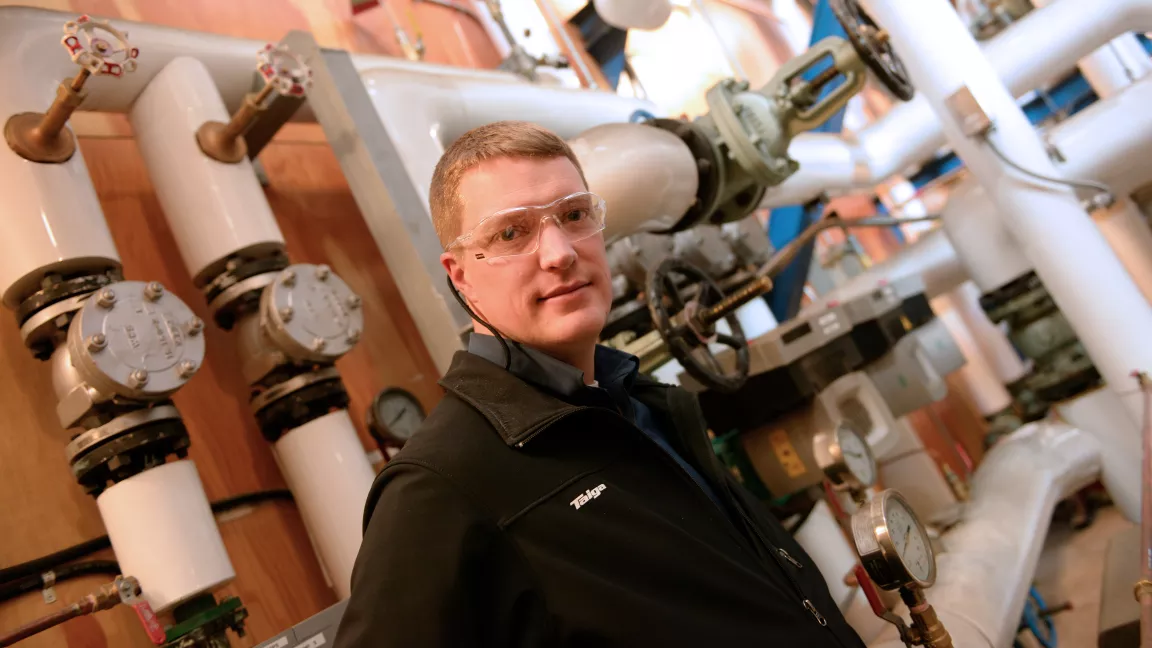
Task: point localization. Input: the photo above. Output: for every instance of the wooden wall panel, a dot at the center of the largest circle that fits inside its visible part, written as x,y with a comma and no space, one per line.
41,507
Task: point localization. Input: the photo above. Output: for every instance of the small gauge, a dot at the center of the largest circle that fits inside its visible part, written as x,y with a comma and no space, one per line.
845,457
893,545
394,416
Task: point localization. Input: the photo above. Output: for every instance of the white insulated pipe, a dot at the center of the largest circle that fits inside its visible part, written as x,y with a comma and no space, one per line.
214,209
646,175
1125,229
1099,413
985,247
1096,294
994,345
163,532
930,257
983,383
983,577
911,133
50,214
325,465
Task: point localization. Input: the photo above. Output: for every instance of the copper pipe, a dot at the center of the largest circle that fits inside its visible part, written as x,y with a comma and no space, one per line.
107,597
1143,590
786,254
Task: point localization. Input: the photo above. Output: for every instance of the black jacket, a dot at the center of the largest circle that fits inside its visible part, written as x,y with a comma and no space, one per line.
514,518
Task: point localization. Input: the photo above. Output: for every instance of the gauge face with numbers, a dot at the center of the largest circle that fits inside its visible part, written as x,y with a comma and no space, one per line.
912,544
395,415
856,455
893,545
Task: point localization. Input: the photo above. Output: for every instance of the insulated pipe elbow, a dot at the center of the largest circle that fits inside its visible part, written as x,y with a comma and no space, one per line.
646,175
215,209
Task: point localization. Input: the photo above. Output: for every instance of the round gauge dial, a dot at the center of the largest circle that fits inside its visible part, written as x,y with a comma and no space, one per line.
856,455
844,456
909,539
394,416
893,545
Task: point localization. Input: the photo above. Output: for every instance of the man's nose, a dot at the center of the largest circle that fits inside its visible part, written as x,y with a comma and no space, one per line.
556,251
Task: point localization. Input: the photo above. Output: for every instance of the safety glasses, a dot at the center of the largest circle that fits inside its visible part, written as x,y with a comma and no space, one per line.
516,232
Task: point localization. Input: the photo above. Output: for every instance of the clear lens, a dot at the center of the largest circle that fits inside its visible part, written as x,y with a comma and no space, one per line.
517,231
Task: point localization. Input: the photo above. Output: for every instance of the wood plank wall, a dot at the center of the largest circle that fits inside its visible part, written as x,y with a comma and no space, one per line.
41,507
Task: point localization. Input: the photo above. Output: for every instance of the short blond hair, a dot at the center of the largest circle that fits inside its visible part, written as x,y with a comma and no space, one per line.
514,139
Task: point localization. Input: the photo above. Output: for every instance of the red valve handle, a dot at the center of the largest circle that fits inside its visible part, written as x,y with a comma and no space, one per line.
285,71
95,53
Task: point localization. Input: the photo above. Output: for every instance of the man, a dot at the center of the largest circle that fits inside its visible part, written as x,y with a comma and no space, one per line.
555,497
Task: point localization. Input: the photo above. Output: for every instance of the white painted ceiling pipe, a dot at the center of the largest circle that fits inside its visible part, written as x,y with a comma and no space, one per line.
646,175
324,464
930,257
214,209
990,557
1096,294
910,133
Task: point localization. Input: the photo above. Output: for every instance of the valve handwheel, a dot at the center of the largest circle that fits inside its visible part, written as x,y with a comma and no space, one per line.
284,71
873,46
99,47
686,336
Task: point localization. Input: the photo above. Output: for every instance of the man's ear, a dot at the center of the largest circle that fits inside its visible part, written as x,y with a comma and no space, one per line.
456,273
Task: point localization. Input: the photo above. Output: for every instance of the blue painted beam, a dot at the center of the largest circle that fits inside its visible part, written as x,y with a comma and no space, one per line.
786,223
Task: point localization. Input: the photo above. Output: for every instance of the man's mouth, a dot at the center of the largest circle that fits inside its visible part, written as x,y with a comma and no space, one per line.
565,289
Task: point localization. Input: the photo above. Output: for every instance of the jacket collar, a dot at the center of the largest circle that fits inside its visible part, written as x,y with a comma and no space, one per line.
516,408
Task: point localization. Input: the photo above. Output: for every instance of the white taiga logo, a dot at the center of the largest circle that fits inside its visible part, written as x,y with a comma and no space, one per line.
588,496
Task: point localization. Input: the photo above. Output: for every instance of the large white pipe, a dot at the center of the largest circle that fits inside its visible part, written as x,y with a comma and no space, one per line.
50,214
1099,413
163,532
1125,229
930,257
324,464
1004,361
1038,49
1096,294
985,247
983,577
646,175
214,209
983,384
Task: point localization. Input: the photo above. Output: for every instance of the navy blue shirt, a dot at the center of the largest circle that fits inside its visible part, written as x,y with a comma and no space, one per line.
615,372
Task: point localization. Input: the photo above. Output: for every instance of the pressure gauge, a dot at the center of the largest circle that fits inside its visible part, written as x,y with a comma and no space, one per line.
845,457
394,416
893,545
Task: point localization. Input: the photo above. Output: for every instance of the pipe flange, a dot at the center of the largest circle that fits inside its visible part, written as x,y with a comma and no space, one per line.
710,178
305,403
39,330
58,288
226,299
311,314
136,340
130,453
86,441
296,383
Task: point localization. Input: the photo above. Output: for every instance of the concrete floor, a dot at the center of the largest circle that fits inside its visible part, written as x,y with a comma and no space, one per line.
1071,569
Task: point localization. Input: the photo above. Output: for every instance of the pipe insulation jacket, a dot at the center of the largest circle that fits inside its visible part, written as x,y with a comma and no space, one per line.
1099,413
986,569
646,175
214,209
50,213
163,532
911,133
328,472
1095,294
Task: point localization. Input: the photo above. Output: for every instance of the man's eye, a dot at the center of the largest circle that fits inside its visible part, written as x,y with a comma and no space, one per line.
507,234
575,215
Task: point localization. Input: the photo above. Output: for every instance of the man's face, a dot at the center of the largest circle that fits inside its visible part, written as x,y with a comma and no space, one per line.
553,298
